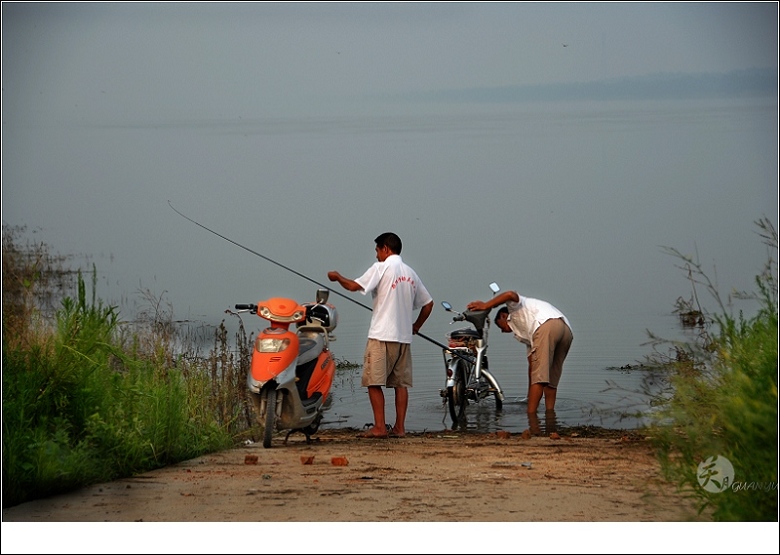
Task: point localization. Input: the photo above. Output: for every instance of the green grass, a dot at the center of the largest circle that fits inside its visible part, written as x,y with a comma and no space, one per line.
89,398
80,406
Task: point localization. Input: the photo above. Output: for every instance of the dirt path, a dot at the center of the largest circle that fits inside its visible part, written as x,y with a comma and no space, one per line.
430,477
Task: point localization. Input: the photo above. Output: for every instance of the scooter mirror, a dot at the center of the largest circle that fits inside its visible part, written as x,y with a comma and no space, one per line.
494,287
322,295
447,306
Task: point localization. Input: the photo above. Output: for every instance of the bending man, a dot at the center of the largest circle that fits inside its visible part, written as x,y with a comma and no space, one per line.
547,335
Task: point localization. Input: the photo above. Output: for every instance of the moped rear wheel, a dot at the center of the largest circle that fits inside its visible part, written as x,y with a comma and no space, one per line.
270,418
456,395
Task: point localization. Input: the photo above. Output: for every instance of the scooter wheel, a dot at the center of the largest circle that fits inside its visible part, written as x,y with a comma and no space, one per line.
270,418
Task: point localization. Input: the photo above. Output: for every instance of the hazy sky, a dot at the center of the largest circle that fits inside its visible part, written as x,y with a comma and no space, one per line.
346,120
140,62
568,140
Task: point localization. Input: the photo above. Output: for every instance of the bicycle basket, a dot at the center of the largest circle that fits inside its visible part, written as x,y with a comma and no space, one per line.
465,337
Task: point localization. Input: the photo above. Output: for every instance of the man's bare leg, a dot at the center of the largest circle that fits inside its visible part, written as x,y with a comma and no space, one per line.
535,391
401,405
377,398
549,397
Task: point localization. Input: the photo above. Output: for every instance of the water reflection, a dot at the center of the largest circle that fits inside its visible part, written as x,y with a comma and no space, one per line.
544,427
483,418
596,389
428,412
480,417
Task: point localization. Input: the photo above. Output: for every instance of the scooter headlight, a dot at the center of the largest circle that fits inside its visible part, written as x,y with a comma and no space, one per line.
265,345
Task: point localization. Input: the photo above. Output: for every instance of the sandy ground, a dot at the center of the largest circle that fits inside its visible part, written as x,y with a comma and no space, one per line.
426,477
422,477
586,491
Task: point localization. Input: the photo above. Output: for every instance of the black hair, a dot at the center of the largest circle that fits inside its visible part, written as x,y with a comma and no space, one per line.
501,311
389,240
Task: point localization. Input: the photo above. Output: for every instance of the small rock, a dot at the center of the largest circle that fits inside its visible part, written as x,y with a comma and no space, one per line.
250,459
339,461
503,434
307,459
526,434
555,435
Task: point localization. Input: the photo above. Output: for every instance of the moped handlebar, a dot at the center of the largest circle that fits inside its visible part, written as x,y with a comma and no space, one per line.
468,315
476,317
250,307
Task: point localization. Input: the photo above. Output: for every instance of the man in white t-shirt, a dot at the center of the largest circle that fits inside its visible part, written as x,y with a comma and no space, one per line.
547,335
397,292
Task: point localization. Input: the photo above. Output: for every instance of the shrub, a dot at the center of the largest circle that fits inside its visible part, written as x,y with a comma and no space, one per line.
722,401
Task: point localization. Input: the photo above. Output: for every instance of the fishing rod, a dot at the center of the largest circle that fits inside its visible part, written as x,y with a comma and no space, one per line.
297,273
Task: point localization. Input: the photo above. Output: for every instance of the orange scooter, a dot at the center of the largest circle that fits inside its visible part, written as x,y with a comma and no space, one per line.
291,372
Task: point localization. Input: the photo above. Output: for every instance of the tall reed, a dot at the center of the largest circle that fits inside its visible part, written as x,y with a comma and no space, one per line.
85,401
89,397
721,399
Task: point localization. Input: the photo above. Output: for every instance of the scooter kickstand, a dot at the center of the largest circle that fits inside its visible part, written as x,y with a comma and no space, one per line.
308,437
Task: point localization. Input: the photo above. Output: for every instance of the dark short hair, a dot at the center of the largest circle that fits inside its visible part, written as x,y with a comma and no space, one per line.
501,311
389,240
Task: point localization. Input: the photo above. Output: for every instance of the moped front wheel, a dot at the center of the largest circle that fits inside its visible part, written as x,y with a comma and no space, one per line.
499,403
492,383
456,394
270,417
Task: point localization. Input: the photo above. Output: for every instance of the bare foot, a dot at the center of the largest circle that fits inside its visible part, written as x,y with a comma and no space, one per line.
373,433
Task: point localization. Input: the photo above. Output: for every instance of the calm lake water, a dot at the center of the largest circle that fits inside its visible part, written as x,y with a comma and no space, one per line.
597,387
571,203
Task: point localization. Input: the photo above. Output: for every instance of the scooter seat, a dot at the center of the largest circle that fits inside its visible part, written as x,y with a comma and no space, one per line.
309,348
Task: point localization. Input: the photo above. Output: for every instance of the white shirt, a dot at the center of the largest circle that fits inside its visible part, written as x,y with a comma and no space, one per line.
526,316
397,292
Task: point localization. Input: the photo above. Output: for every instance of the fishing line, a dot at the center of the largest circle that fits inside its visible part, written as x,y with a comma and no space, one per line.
295,272
266,258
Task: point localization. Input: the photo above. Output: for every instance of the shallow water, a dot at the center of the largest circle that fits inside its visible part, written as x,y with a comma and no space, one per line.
597,387
572,204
